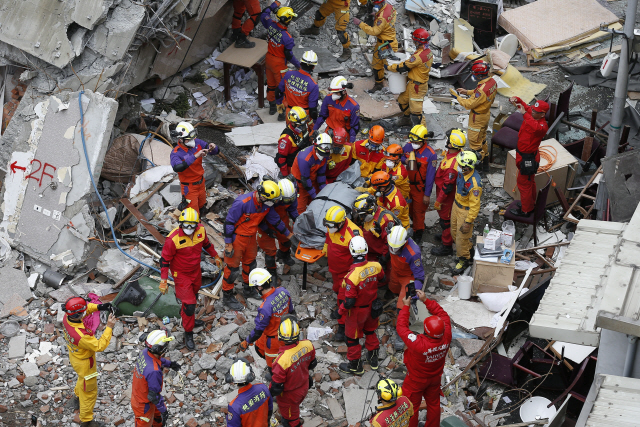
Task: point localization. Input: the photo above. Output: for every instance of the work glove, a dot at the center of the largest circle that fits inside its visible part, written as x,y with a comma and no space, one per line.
356,21
165,417
163,286
437,205
228,250
218,261
244,345
341,310
361,189
376,229
104,307
175,366
270,232
465,227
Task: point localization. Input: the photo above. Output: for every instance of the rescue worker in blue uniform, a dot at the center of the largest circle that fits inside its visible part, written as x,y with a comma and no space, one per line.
340,110
254,405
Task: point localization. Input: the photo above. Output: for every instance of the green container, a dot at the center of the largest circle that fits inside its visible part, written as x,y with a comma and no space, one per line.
452,422
167,305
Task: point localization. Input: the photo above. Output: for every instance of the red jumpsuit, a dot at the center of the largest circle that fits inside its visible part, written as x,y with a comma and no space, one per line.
360,290
395,415
148,382
529,138
291,378
421,181
396,204
181,254
377,241
289,145
288,214
338,163
309,170
370,160
446,177
239,7
425,358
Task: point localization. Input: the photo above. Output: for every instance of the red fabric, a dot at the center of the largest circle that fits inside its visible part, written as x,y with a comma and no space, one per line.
527,187
195,171
286,147
295,169
182,252
196,194
358,320
304,198
276,67
293,97
245,249
338,255
247,225
446,179
418,177
239,7
415,390
187,287
447,240
333,173
339,118
289,402
531,132
417,208
155,418
267,345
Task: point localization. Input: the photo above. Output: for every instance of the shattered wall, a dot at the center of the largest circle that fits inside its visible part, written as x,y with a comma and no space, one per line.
45,211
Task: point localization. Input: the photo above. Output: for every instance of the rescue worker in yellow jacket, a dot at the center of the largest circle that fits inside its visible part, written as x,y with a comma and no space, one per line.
384,29
478,103
390,197
465,208
83,346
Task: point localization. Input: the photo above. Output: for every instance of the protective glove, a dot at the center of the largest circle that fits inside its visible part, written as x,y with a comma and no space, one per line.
376,229
165,417
361,189
465,227
356,21
270,232
437,205
228,250
163,286
218,261
244,345
453,92
341,310
104,307
175,366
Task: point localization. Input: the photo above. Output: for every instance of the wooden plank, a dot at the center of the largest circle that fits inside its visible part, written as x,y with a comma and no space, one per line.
153,191
244,57
128,276
154,232
602,52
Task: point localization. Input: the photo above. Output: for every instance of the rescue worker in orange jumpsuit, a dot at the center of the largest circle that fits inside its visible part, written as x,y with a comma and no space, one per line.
240,30
370,152
422,162
276,303
83,346
287,209
298,89
478,103
340,231
253,406
295,137
245,216
395,410
375,222
341,155
181,253
390,198
186,160
291,381
425,357
339,110
446,178
279,52
147,402
361,289
534,128
310,168
396,170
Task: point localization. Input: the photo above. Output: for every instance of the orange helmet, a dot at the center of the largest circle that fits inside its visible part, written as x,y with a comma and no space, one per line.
394,152
376,134
380,179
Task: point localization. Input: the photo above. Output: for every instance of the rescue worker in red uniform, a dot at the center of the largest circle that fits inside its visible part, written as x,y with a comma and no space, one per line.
287,209
279,52
83,346
253,406
534,128
291,381
245,216
425,357
390,198
341,155
181,253
396,170
295,137
395,410
340,231
276,303
361,289
298,89
240,30
375,222
339,110
422,162
310,168
147,402
369,152
186,160
446,178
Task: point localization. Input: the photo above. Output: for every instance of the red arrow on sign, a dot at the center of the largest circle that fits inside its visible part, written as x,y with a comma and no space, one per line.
14,166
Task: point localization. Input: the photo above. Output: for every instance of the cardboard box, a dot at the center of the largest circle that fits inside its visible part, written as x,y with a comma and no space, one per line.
491,276
563,171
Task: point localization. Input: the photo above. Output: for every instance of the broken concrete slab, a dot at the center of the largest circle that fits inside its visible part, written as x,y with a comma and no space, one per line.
358,402
30,369
267,133
469,346
223,333
13,281
336,409
17,346
369,107
264,115
10,304
327,63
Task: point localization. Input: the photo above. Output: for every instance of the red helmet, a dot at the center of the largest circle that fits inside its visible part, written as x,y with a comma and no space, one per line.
377,1
434,327
480,68
340,136
421,36
75,305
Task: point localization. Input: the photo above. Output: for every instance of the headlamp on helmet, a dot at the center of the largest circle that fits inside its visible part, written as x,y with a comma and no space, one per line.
297,117
323,144
185,132
393,152
269,192
285,15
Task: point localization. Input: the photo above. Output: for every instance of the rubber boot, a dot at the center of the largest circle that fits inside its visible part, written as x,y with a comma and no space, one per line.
403,121
243,42
376,87
353,367
92,423
73,403
188,341
339,336
267,375
346,55
272,108
234,34
438,237
285,257
229,300
417,236
198,323
442,250
372,358
335,315
250,292
281,110
311,31
461,266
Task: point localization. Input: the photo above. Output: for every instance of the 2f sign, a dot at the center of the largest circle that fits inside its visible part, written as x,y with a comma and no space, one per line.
38,174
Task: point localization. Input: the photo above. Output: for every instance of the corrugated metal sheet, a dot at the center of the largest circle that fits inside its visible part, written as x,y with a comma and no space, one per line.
617,402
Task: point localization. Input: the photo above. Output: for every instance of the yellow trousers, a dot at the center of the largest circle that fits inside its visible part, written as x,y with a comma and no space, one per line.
341,13
378,63
412,98
86,389
462,240
477,132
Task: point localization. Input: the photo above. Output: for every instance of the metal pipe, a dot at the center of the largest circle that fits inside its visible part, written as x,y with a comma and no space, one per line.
629,360
622,81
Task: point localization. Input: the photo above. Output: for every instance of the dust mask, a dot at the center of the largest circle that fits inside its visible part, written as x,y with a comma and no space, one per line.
188,231
335,96
332,229
390,164
416,146
459,169
368,218
268,203
378,193
190,143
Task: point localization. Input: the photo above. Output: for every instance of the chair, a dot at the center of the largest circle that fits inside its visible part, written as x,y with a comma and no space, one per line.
537,214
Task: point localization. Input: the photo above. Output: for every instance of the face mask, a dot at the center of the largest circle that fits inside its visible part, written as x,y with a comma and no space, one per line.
190,143
390,164
374,147
368,218
188,231
459,169
268,203
416,146
335,96
332,229
394,250
338,149
378,193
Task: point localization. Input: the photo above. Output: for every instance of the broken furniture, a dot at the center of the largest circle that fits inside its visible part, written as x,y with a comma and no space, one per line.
491,275
539,211
483,16
253,58
568,216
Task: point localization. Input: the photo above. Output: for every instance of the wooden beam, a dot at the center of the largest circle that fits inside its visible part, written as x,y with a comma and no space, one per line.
153,191
154,231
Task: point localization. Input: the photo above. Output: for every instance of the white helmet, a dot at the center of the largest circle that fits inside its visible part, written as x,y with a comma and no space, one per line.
185,131
338,84
310,57
260,277
240,373
397,237
287,191
157,341
358,246
324,145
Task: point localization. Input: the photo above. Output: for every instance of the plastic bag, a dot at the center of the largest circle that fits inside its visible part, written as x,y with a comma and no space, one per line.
508,230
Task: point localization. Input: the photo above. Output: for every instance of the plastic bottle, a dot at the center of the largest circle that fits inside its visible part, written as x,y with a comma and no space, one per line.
485,231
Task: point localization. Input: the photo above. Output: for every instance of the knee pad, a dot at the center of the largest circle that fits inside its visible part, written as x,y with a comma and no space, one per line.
318,17
369,332
445,223
253,265
189,309
269,261
352,342
403,108
235,272
343,37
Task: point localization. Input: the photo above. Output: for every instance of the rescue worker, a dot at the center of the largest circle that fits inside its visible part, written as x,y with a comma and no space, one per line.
479,105
370,152
291,381
422,162
340,231
375,222
181,253
390,198
341,155
147,402
240,30
534,128
298,89
446,178
295,137
338,109
245,215
276,303
395,410
83,346
425,357
186,160
253,406
361,289
384,29
407,271
279,52
418,66
396,170
466,207
287,209
310,168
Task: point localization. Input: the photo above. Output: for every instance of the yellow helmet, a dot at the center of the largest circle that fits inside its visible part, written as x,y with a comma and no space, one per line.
289,331
297,116
285,15
467,159
269,190
388,390
365,203
418,133
335,217
457,138
189,215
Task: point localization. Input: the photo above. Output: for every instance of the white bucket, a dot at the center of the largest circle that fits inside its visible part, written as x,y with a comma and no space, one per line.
464,286
397,81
